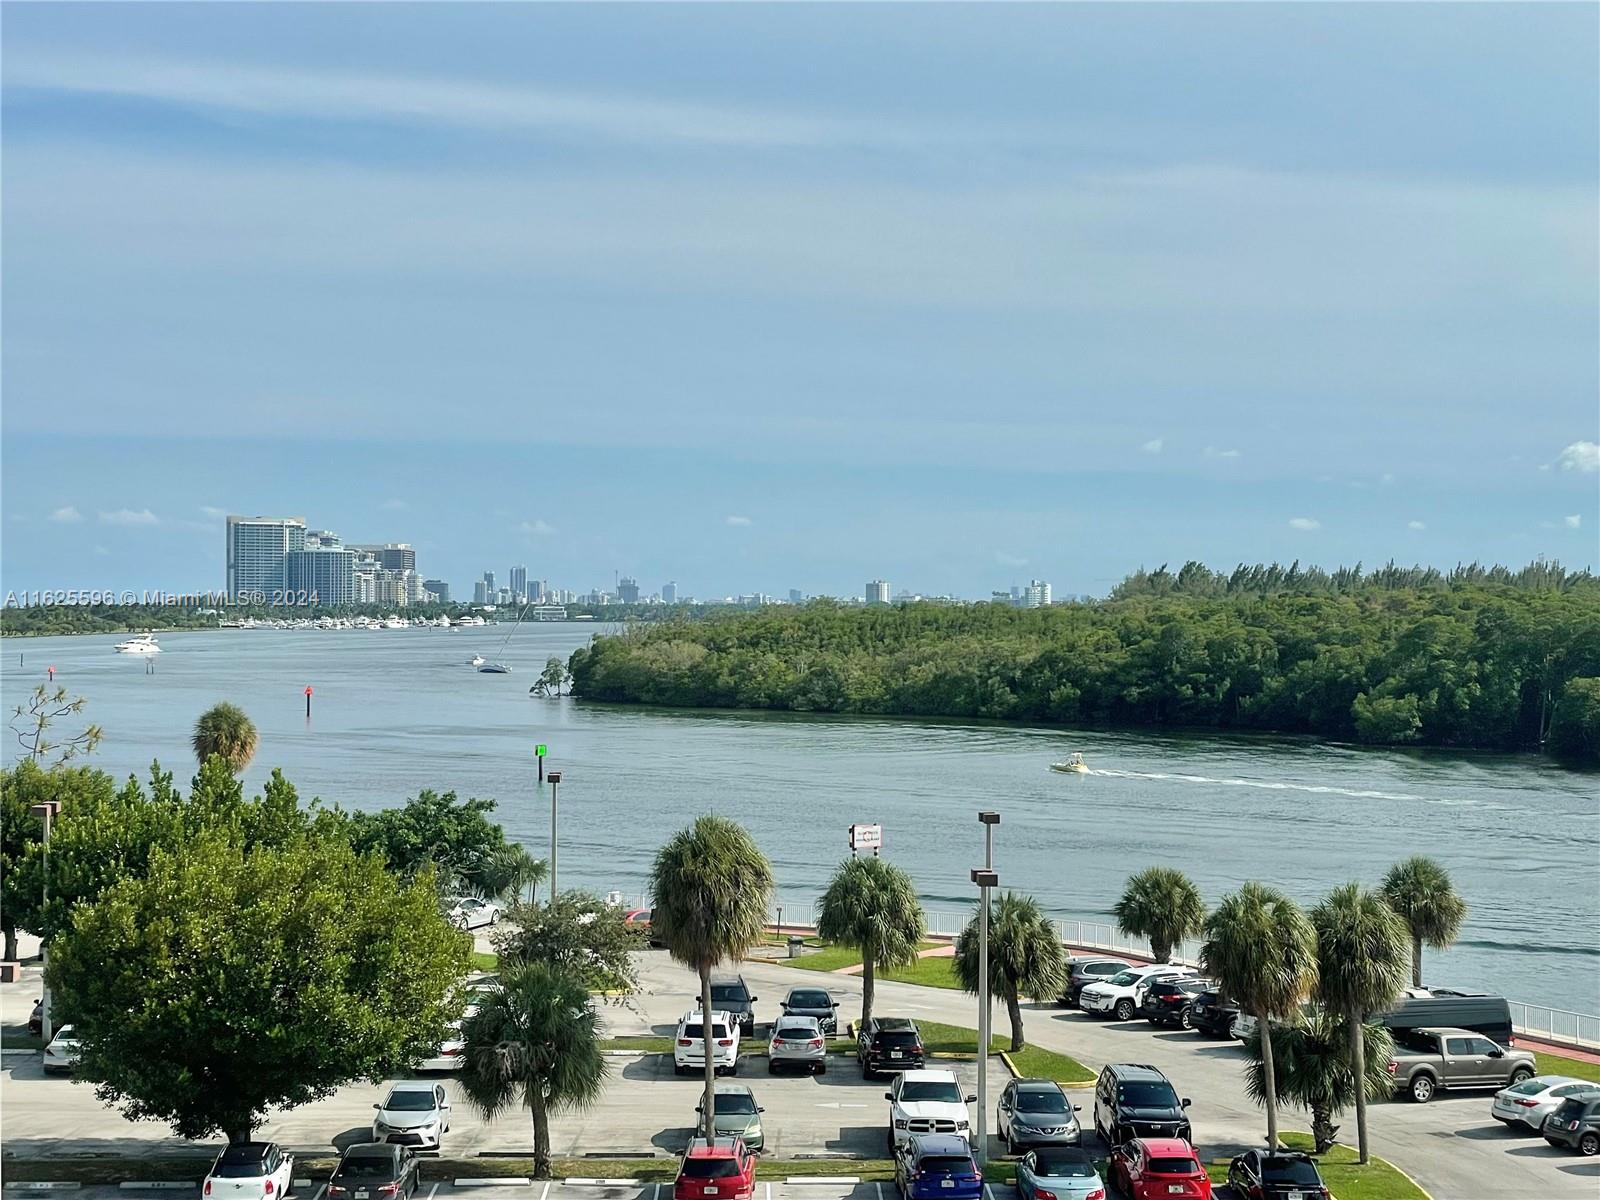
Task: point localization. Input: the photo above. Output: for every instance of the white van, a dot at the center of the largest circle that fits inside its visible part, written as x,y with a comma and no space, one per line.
689,1046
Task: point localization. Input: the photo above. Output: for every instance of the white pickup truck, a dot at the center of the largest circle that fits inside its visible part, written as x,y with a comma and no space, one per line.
926,1102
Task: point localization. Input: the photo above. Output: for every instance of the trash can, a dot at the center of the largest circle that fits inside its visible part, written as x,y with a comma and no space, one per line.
794,946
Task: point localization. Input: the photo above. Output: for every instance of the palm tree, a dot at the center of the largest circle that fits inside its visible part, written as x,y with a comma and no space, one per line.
1162,904
223,729
1361,969
872,905
533,1042
712,887
1420,890
1312,1068
1025,956
509,870
1262,951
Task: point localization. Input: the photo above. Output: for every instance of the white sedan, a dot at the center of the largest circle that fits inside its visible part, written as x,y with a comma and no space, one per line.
61,1055
416,1113
473,913
1528,1103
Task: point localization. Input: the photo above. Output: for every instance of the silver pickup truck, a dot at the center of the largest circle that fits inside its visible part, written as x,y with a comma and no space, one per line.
1427,1060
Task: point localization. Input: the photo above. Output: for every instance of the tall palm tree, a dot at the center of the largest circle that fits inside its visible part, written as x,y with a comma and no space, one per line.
509,870
1312,1068
872,905
712,888
1361,969
1162,904
1025,956
224,730
1419,889
533,1042
1262,951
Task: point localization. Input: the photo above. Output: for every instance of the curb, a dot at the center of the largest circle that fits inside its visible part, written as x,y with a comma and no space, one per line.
850,1179
596,1181
493,1181
1408,1178
26,1050
160,1185
58,1185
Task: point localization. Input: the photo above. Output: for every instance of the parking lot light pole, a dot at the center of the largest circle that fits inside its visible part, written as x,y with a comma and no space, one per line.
46,813
985,879
554,777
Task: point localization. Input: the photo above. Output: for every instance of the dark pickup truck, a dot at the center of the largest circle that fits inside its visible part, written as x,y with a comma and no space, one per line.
1428,1060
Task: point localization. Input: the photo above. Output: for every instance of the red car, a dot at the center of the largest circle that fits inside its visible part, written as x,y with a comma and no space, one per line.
722,1169
1159,1169
639,918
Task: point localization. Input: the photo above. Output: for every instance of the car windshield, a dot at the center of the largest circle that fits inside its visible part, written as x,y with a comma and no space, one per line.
896,1037
946,1164
1050,1101
1290,1170
693,1029
1529,1087
1165,1165
1063,1165
1572,1109
367,1167
734,992
796,1033
1147,1095
709,1168
809,1000
1124,979
250,1169
943,1090
733,1102
409,1102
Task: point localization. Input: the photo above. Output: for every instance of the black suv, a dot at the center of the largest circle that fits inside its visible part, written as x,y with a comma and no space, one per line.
813,1002
1211,1014
1086,969
1575,1124
1132,1100
1276,1175
729,994
1167,1002
889,1044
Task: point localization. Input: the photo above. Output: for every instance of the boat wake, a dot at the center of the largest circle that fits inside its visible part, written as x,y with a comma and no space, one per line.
1266,785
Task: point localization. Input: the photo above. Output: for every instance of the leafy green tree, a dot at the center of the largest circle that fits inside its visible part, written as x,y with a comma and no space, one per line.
455,838
225,980
1026,957
872,904
1162,904
21,788
1262,951
1362,954
577,933
224,730
32,721
1311,1060
533,1042
1386,720
712,888
1575,725
509,871
1420,891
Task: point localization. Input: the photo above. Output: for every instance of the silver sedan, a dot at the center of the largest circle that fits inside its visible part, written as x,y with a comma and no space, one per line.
797,1042
1528,1103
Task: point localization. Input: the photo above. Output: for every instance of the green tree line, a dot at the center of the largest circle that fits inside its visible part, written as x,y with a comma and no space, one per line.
1482,658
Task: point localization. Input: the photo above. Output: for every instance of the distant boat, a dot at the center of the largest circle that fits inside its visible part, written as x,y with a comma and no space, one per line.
477,660
145,643
1074,765
495,669
500,668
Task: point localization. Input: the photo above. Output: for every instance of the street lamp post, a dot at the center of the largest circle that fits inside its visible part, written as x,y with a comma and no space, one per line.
554,777
985,879
46,813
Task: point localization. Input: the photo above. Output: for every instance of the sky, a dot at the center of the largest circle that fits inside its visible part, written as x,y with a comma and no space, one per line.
755,298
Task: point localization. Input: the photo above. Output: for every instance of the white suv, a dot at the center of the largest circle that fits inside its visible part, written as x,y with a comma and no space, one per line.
926,1102
1120,995
689,1046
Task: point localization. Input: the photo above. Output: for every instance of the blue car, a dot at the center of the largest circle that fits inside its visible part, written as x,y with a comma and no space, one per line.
937,1166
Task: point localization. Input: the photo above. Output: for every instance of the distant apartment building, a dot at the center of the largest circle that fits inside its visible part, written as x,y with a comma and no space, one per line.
519,583
480,591
324,575
628,591
1037,595
323,539
437,590
669,592
795,596
257,552
878,591
1004,599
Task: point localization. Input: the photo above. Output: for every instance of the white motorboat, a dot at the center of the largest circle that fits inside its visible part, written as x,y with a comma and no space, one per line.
144,643
495,669
1074,765
477,660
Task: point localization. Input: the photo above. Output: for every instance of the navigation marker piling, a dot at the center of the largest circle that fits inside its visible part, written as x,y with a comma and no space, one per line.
308,702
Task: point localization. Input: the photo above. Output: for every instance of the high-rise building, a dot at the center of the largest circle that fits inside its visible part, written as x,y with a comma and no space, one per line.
488,581
257,548
323,539
1004,599
795,596
1037,595
391,556
437,589
480,592
628,590
519,583
669,592
878,591
326,574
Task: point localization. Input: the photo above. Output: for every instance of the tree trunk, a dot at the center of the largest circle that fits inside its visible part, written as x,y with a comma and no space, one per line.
238,1137
1269,1079
1416,960
867,971
708,1102
1161,950
10,954
1014,1011
1323,1130
1358,1063
541,1134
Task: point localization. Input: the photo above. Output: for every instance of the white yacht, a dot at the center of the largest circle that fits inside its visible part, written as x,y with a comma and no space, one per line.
144,643
477,660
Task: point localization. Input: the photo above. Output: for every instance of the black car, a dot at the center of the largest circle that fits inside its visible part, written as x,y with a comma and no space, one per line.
1212,1014
1086,969
813,1002
36,1018
374,1171
1132,1100
1276,1175
1575,1124
1167,1002
889,1044
731,995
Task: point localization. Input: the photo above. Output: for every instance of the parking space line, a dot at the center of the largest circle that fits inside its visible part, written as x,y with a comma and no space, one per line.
878,1188
317,1195
769,1191
432,1190
546,1191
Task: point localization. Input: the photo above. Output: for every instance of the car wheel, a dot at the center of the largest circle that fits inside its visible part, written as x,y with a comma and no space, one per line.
772,1067
1233,1030
1589,1145
1520,1075
1124,1010
1422,1088
1186,1019
822,1068
1554,1143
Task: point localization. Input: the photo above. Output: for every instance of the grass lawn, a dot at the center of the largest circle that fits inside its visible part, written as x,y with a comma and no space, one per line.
929,972
485,962
826,957
952,1041
1345,1178
1554,1064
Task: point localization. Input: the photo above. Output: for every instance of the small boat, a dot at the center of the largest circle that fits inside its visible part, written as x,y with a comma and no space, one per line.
495,669
145,643
477,660
1074,765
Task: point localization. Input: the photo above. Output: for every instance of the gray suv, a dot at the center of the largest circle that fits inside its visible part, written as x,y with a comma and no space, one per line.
1086,969
1036,1112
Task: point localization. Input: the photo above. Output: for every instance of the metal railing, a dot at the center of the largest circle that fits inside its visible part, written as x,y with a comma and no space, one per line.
1531,1020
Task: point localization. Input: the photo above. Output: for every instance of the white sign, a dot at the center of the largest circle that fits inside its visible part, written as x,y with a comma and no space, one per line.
866,837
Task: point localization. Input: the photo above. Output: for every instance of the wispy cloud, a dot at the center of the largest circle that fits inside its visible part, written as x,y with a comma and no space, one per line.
130,516
1009,560
1416,526
1305,524
538,528
1580,456
212,511
66,515
393,505
739,521
1213,452
1575,521
1153,446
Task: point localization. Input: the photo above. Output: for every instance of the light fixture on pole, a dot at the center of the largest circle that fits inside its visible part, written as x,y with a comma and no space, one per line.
985,879
46,813
554,777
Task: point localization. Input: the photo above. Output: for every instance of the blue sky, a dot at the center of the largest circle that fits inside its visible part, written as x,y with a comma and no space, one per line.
765,297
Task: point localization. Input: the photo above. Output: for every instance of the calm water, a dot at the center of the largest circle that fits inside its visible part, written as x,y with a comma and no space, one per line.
399,711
